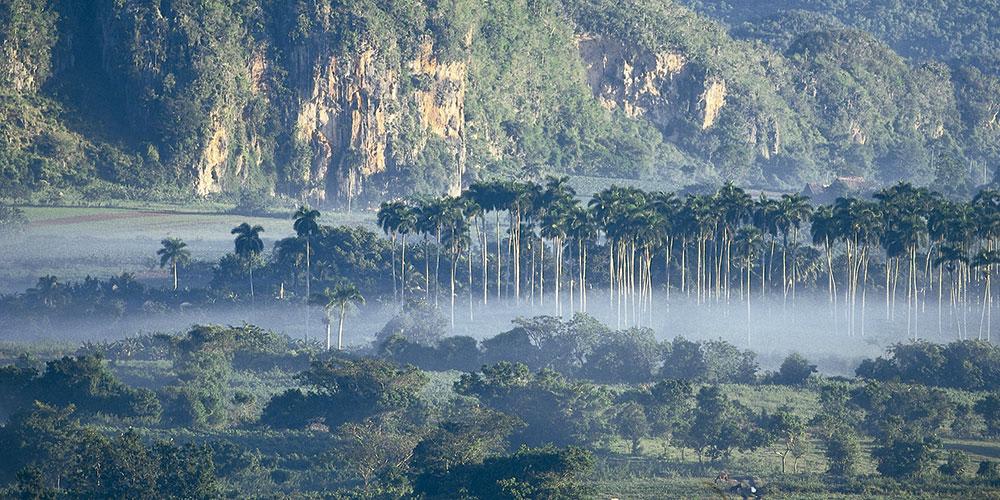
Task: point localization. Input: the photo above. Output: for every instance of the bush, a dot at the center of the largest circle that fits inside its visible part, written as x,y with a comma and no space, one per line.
906,456
842,452
989,469
12,221
956,463
795,370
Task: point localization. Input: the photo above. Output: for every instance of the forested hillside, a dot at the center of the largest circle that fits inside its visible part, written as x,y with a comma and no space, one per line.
344,102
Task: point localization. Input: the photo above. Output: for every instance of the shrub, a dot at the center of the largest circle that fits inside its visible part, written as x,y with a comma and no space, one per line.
795,370
842,452
956,463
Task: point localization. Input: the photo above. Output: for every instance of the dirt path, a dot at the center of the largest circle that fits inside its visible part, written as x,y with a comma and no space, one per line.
81,219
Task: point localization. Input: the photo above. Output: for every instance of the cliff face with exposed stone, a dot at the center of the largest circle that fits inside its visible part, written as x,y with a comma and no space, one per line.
662,87
342,120
340,103
440,102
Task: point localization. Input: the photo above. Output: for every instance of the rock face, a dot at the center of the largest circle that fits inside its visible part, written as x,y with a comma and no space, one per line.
347,113
662,87
344,104
343,121
440,101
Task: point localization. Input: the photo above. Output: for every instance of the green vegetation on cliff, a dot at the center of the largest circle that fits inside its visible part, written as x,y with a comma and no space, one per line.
335,101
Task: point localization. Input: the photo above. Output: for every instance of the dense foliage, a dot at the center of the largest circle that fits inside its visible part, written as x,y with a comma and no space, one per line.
329,99
234,423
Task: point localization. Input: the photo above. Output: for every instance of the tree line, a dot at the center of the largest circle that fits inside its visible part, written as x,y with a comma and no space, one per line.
928,260
722,247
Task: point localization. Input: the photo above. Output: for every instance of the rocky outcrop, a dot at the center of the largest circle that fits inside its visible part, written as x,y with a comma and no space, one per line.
440,102
661,86
343,120
711,102
636,81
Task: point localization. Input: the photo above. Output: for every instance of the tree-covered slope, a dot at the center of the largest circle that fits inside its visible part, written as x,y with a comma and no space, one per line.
924,29
337,100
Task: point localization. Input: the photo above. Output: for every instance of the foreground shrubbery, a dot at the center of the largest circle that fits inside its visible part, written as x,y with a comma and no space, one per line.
574,394
966,364
581,347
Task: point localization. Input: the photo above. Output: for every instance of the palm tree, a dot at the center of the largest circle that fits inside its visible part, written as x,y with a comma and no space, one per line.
338,300
491,196
824,229
985,261
860,224
747,241
48,290
389,219
558,203
581,229
307,227
175,253
248,246
734,207
426,223
667,207
793,210
764,218
454,225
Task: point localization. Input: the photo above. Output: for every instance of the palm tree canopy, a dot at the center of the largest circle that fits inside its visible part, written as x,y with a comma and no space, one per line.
248,240
306,224
174,250
340,296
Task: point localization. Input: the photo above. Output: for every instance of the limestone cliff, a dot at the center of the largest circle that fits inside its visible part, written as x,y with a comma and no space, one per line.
440,102
661,86
343,120
346,102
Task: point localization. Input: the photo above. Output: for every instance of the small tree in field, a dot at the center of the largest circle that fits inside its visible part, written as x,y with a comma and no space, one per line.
842,452
174,253
795,370
630,421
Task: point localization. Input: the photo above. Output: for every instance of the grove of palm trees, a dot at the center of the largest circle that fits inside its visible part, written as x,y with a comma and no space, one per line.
907,259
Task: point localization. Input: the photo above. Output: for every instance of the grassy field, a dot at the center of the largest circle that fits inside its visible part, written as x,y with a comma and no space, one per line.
74,242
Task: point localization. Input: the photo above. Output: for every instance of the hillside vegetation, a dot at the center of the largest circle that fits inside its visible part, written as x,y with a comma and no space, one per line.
350,102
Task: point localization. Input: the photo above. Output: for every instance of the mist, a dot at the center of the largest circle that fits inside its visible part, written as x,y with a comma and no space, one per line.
777,326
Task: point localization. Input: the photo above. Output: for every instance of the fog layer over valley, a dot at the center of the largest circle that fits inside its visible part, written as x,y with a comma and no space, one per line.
778,328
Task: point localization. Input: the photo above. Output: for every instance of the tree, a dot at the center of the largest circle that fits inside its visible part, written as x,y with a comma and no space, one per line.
468,435
345,390
555,410
629,356
175,253
546,472
48,290
906,456
338,299
307,227
718,425
795,370
842,451
989,408
248,246
788,430
630,422
377,450
957,463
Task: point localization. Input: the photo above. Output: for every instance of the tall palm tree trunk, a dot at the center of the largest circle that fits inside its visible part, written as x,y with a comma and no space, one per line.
340,327
329,333
402,272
